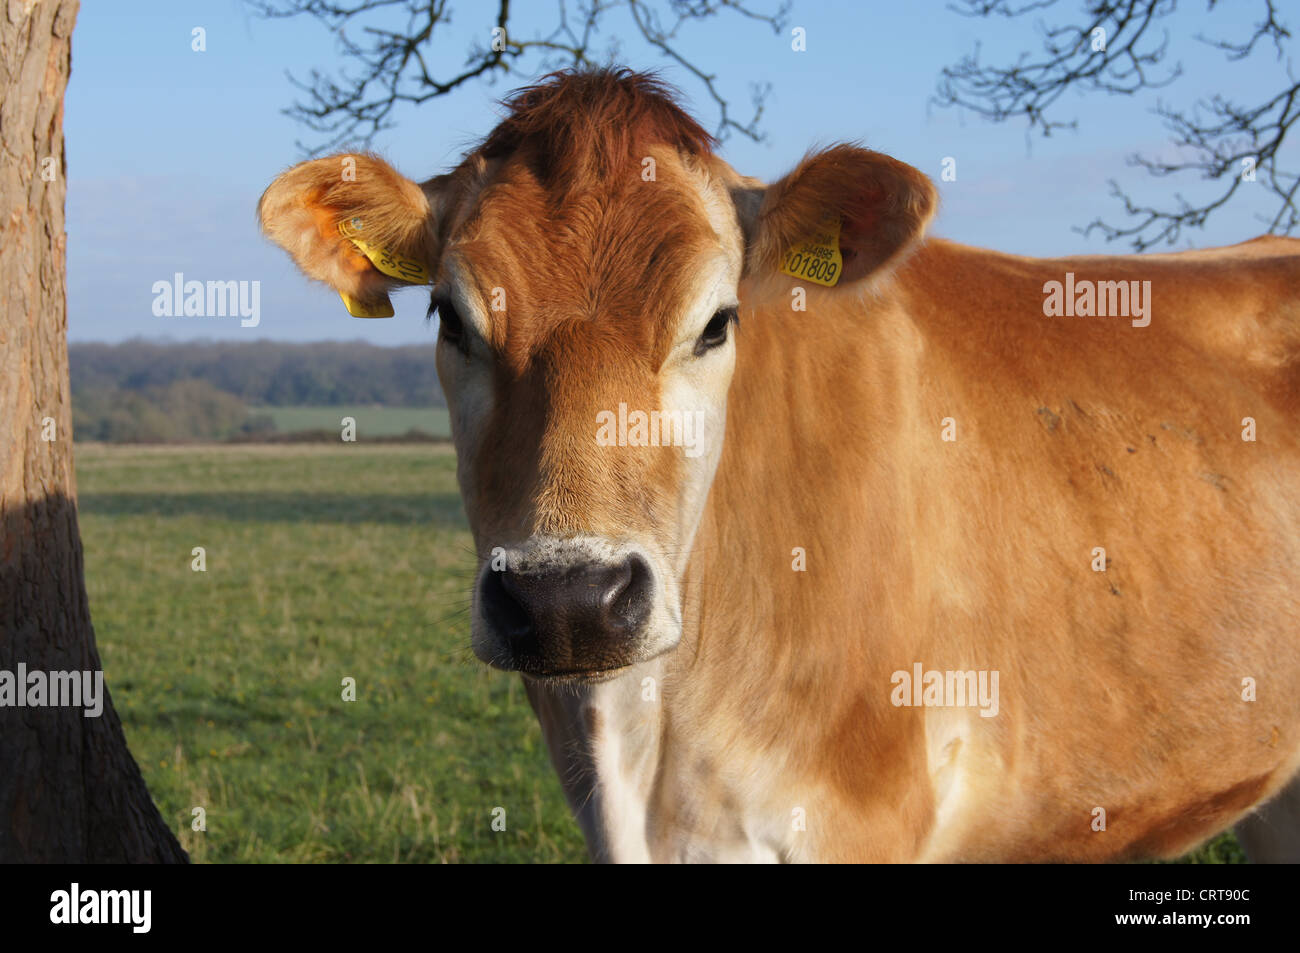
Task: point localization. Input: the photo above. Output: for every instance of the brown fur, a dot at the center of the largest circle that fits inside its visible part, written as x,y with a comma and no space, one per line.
575,128
1120,689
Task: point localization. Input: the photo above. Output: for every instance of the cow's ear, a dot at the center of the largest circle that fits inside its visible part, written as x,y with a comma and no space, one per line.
355,223
873,207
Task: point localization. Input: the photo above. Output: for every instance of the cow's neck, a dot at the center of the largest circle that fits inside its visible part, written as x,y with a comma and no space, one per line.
604,741
712,753
777,703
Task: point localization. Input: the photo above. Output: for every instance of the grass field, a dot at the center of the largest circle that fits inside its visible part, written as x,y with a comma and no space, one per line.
323,562
371,421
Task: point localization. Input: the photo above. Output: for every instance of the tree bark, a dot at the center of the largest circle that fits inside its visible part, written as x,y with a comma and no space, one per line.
69,789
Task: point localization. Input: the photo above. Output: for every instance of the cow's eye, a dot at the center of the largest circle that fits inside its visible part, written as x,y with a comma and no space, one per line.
450,326
715,332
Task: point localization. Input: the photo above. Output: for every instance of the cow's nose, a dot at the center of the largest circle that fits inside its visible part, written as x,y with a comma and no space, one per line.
578,618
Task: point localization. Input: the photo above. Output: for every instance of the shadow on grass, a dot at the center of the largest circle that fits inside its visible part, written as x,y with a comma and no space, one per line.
439,509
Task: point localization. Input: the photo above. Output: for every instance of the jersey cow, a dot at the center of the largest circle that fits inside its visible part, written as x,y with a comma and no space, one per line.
815,539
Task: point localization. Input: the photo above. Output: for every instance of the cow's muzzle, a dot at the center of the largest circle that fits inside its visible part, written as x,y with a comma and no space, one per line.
573,615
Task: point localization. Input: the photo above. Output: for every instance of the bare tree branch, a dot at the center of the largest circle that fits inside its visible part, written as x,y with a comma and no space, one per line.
1072,61
1269,29
350,109
1115,51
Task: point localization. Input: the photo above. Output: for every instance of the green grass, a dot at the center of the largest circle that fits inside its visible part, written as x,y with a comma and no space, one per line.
323,562
371,421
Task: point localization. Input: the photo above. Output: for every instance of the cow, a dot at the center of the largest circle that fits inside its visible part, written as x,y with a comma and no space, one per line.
815,538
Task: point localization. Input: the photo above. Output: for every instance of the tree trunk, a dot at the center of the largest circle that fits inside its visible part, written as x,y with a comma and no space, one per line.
69,789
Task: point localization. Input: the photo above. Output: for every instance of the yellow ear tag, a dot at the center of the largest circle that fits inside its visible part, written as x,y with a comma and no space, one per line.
817,258
359,310
406,270
394,266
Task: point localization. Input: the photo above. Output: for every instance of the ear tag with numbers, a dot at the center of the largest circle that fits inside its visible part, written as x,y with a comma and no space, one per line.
817,258
359,310
405,270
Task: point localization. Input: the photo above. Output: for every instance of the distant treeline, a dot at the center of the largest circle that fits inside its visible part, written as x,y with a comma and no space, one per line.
150,392
266,373
181,412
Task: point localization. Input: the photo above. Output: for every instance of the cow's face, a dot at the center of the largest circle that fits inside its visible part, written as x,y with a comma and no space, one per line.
587,341
586,345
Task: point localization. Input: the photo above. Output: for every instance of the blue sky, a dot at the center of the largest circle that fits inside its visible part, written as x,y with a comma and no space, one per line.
168,149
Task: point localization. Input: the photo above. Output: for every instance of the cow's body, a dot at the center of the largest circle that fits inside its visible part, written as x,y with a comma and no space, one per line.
921,471
1072,433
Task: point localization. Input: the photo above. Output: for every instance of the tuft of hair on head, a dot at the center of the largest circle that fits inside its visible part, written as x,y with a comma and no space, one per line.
578,123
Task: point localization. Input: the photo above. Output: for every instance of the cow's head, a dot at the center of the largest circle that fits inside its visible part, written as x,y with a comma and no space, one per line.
587,263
